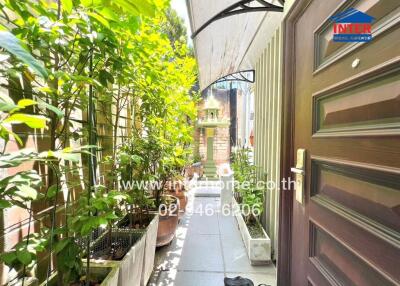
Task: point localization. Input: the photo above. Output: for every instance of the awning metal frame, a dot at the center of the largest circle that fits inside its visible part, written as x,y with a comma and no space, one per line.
241,7
239,76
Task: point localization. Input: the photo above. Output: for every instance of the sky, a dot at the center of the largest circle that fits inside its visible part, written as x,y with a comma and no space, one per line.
180,7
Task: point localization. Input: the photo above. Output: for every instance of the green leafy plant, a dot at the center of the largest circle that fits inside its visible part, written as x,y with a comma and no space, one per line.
100,211
251,195
24,254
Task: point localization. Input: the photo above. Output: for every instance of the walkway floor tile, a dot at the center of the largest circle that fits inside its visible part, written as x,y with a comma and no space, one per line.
206,249
190,278
202,253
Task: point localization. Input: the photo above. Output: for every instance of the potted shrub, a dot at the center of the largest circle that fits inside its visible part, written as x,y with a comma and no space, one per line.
256,240
176,187
130,169
69,243
142,165
140,219
176,163
143,175
249,208
148,223
167,205
168,221
124,247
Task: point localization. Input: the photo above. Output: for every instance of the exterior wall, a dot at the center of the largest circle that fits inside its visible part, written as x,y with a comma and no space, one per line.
267,130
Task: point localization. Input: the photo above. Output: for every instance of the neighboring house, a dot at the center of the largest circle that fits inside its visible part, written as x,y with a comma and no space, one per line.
327,115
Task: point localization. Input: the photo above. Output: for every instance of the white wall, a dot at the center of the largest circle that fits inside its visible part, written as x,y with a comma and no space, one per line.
268,106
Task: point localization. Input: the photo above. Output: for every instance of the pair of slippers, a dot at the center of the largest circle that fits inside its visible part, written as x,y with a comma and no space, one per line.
240,281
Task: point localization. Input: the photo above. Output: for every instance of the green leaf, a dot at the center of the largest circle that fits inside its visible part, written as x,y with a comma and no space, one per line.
13,45
60,245
52,108
67,5
92,3
128,7
33,121
52,192
99,19
4,134
6,103
88,227
6,107
16,137
26,102
4,204
111,216
109,14
24,256
15,158
8,257
146,8
74,157
27,192
105,77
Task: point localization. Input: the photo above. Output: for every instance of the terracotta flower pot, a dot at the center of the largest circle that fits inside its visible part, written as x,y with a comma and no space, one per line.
182,197
168,223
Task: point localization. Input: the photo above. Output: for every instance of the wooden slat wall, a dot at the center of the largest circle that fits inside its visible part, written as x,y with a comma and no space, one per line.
268,106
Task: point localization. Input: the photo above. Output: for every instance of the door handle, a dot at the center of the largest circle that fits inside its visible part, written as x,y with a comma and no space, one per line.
299,172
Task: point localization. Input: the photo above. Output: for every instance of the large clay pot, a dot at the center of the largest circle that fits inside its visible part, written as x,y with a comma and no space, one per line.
182,197
168,223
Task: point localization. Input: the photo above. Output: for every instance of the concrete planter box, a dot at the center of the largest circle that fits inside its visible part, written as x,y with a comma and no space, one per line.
138,270
131,265
144,270
258,249
227,188
150,250
108,271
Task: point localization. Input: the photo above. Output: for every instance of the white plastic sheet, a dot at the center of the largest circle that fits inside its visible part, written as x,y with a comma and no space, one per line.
231,44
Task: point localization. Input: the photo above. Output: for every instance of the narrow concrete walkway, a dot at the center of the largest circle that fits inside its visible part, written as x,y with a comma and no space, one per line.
207,248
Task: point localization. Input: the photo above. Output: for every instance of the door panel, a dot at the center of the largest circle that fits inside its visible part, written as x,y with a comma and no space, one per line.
346,101
374,195
327,51
326,254
356,110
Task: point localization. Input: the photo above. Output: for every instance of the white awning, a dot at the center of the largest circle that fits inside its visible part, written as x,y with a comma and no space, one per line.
230,44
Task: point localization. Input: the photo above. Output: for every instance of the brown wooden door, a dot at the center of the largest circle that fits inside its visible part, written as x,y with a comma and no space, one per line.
346,114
